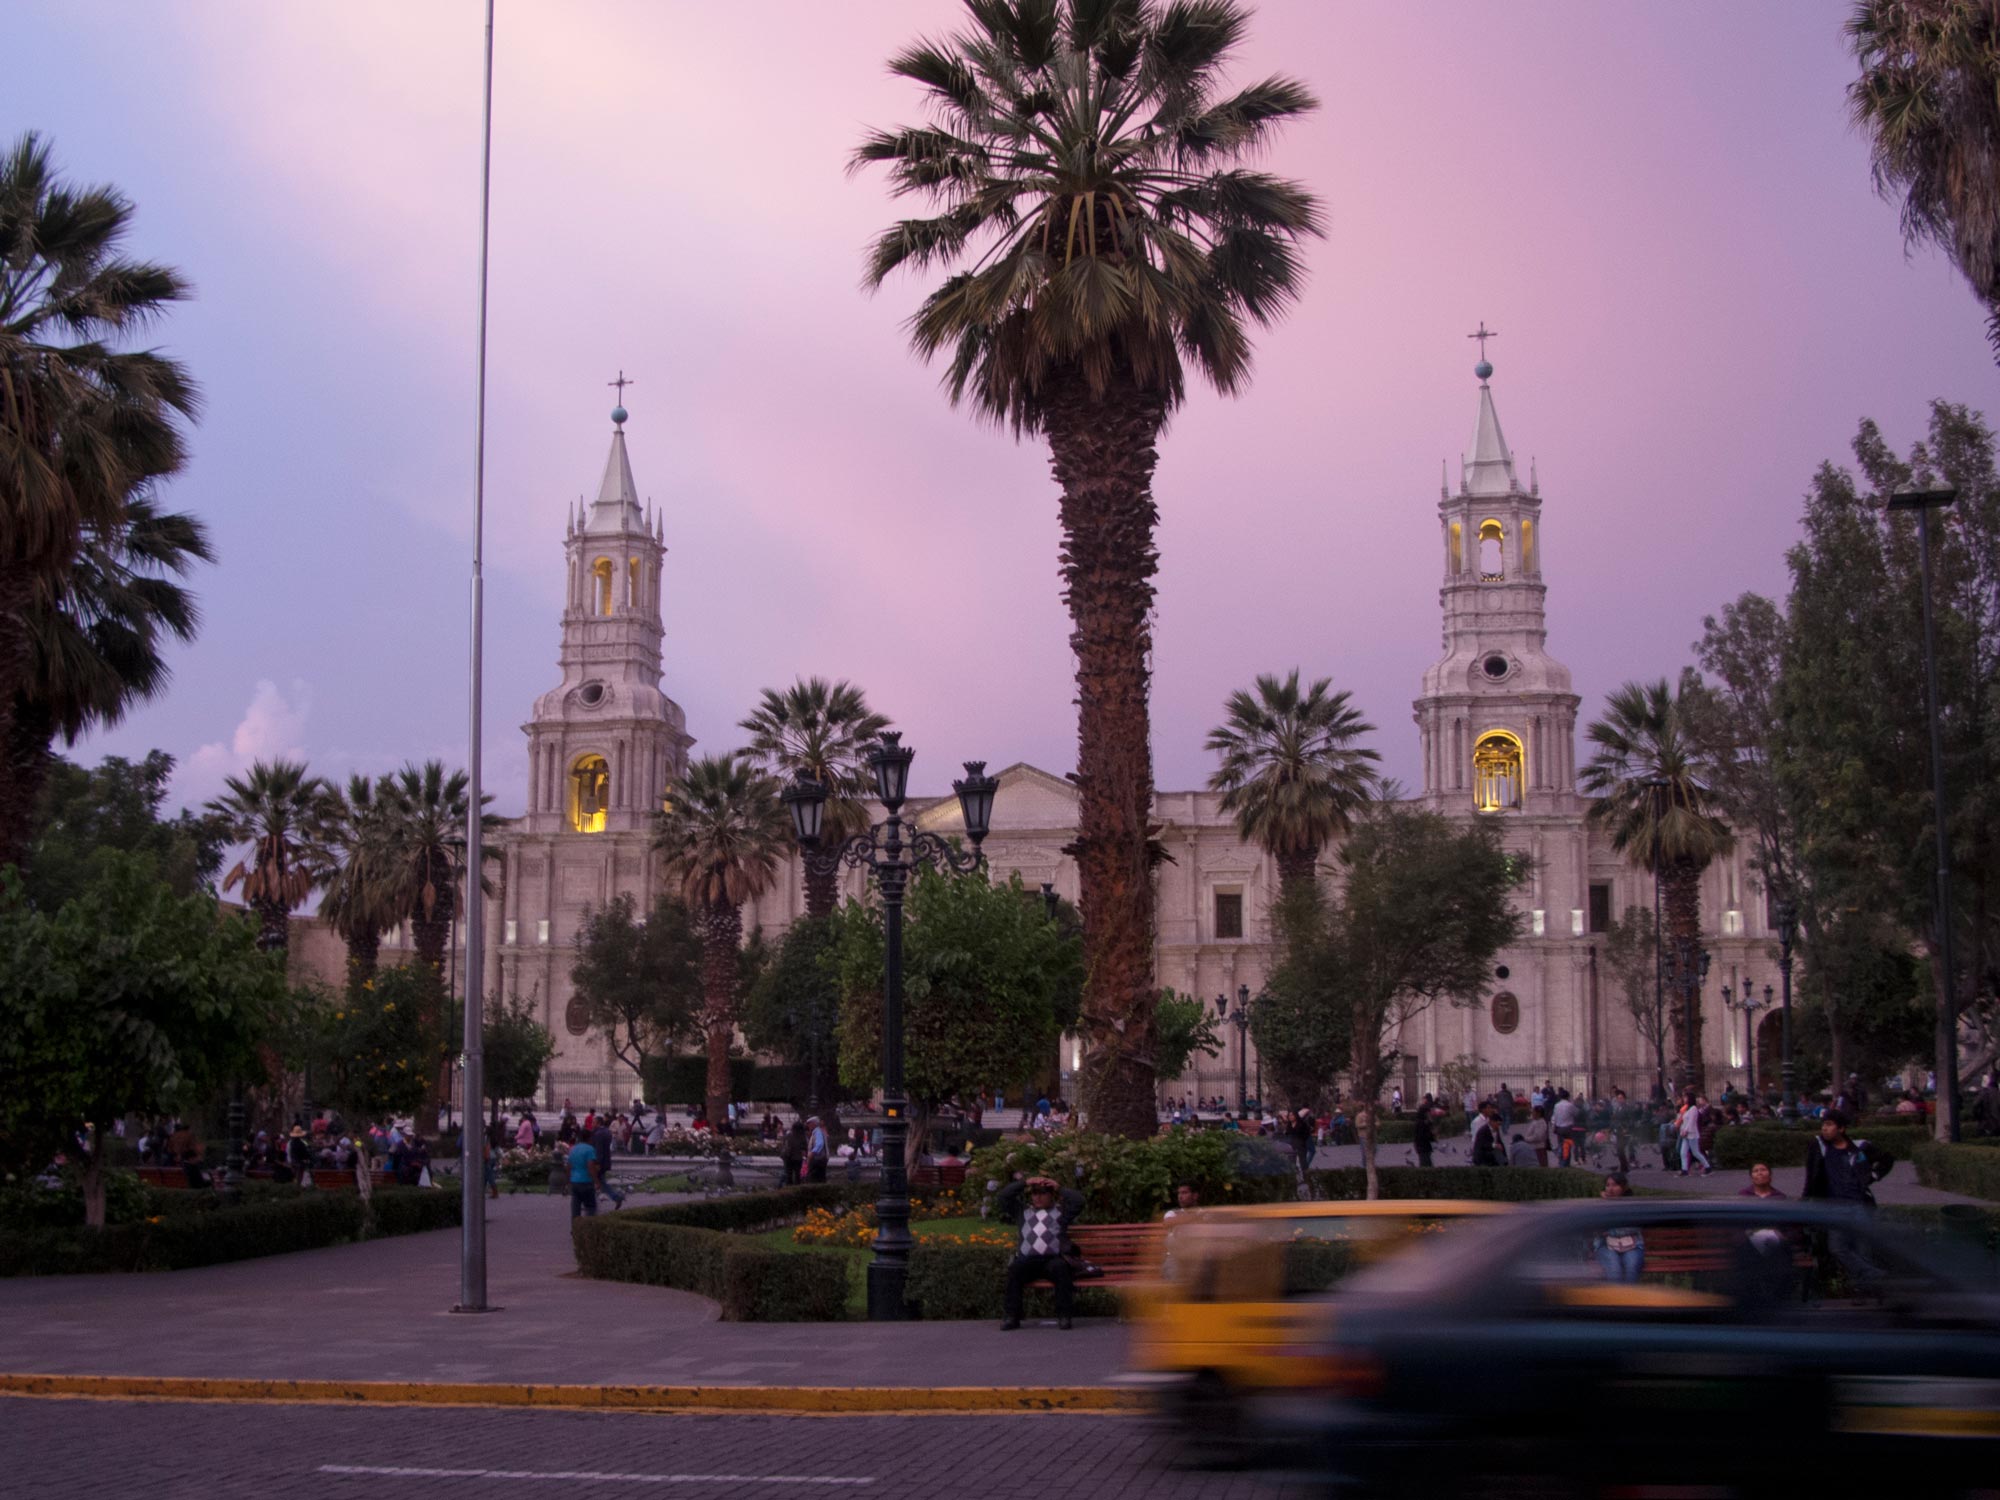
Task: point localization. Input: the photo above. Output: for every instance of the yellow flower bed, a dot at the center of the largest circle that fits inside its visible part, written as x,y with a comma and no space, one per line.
855,1230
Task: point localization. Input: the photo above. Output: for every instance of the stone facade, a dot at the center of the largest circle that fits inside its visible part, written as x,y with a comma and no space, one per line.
1496,717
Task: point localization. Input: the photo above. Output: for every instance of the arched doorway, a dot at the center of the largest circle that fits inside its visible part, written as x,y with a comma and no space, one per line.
1770,1052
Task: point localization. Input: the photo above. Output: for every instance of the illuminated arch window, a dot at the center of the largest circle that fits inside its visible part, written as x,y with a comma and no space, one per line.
589,793
1496,767
632,582
1528,564
1492,553
603,572
1455,550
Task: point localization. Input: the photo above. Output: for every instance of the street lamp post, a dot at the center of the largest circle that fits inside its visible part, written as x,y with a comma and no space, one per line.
1923,502
1241,1018
1751,1005
892,851
1788,931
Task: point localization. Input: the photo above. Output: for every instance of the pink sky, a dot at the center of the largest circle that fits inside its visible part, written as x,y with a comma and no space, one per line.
1662,209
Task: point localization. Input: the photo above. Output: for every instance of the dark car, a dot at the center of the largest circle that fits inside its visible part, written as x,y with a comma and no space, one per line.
1758,1340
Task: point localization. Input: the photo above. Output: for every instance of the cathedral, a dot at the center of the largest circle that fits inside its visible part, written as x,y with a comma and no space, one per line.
1496,717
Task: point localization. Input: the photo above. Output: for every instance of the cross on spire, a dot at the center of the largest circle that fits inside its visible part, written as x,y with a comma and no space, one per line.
621,382
1483,335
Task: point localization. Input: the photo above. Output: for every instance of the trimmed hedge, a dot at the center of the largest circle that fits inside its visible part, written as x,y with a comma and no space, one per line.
200,1231
1131,1182
949,1282
699,1248
1740,1147
1972,1168
1486,1184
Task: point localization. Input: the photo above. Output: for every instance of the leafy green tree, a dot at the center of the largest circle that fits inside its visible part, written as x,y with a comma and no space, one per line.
374,1053
638,982
130,998
823,731
85,422
514,1049
1856,769
1631,955
1425,905
986,978
721,840
793,1008
87,817
97,639
1647,777
1291,771
1303,1031
281,810
1083,165
1184,1027
1928,99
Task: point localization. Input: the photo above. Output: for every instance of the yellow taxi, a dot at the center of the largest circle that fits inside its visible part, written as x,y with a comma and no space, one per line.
1223,1321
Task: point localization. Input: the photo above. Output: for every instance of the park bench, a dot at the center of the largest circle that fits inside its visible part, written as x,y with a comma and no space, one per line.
1691,1251
1127,1253
163,1177
341,1179
945,1175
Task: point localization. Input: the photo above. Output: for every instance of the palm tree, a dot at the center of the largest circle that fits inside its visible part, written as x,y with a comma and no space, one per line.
823,731
96,638
722,838
1083,164
83,422
424,810
281,812
1929,99
1660,812
359,901
1291,771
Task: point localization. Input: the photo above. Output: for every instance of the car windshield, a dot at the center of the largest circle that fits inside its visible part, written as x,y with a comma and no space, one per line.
1241,1259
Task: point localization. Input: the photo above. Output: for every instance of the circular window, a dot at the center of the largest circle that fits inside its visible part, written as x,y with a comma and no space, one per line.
1495,667
1506,1013
576,1016
590,694
1501,972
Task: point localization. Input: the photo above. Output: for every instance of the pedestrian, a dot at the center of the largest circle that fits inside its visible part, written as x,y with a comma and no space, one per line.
1688,1128
600,1142
1521,1154
1841,1170
298,1156
816,1150
582,1180
1536,1134
1487,1150
792,1153
1044,1214
524,1133
1424,1133
1760,1185
1620,1252
1564,1135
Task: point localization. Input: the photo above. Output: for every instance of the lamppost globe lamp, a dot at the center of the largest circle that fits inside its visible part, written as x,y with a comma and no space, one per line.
975,798
890,761
805,799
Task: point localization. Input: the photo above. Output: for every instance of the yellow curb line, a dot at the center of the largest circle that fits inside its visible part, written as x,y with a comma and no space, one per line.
710,1398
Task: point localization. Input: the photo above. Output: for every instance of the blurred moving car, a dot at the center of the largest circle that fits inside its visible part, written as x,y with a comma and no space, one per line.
1226,1321
1786,1343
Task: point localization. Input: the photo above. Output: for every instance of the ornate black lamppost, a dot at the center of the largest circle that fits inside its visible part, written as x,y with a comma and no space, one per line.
1749,1005
1241,1018
892,851
1788,930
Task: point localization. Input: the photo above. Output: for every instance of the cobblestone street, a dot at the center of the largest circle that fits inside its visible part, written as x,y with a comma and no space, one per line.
169,1450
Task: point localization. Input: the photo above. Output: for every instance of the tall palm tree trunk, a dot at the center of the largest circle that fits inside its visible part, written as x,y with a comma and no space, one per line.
431,936
1102,452
721,936
23,774
1680,893
364,950
16,662
1298,870
822,891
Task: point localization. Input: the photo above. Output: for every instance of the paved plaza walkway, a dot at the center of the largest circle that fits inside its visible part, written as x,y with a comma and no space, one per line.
379,1311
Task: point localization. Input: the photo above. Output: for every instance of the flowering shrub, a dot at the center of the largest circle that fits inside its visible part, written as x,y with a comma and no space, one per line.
526,1169
855,1229
1130,1182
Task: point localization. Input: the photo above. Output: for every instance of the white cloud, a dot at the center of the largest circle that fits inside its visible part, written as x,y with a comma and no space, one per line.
272,728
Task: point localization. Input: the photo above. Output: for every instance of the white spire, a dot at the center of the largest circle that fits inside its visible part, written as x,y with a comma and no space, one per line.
1489,467
617,506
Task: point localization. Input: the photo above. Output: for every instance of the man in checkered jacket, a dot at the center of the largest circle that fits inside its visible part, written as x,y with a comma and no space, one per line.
1044,1213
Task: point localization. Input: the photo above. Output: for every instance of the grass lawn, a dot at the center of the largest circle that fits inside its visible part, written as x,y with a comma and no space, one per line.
858,1258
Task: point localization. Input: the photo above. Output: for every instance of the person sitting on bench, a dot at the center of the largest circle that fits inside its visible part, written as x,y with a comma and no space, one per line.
1044,1213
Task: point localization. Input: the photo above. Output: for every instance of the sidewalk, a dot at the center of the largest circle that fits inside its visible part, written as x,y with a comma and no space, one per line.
380,1312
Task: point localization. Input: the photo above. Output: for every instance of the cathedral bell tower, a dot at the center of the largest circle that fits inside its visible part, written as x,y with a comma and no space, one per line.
604,743
1497,717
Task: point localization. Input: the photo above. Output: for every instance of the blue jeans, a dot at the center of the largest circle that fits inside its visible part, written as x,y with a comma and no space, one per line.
1620,1265
1691,1148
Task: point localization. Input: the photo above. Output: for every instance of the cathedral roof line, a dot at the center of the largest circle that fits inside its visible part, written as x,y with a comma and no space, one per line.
1489,465
617,505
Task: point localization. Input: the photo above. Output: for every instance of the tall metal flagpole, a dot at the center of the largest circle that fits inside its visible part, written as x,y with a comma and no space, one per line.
472,1129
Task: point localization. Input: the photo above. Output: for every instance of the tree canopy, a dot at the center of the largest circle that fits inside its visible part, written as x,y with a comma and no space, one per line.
637,983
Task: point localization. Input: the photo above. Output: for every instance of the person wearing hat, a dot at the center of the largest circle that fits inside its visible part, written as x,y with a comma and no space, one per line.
1044,1213
298,1155
816,1149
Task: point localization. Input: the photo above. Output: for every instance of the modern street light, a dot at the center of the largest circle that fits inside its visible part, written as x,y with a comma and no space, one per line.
1923,502
1787,914
892,852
